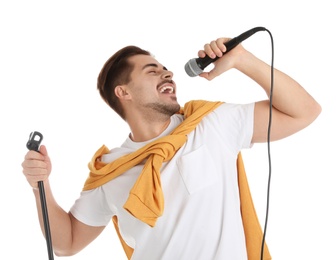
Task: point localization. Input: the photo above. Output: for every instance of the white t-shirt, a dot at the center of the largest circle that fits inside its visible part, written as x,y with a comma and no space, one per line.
201,218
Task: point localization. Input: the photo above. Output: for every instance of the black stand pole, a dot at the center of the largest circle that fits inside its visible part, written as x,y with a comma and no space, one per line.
33,143
45,220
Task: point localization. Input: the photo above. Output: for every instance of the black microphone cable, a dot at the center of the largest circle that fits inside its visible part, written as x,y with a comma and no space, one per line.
269,147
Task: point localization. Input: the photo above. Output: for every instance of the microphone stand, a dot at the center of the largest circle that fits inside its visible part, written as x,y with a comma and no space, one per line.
45,219
33,143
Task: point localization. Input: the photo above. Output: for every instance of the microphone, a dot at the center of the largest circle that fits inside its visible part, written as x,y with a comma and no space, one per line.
195,66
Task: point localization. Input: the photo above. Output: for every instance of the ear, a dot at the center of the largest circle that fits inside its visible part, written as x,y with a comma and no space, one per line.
122,92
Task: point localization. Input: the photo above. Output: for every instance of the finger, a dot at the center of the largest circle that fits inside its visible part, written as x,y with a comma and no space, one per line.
34,179
201,54
208,50
33,155
221,43
35,172
31,164
216,48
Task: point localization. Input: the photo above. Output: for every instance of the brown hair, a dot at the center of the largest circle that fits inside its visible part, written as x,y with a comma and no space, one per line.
116,71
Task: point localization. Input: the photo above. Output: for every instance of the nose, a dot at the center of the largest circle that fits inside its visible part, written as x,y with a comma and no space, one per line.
167,74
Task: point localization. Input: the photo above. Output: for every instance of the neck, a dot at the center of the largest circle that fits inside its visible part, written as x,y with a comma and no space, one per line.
143,130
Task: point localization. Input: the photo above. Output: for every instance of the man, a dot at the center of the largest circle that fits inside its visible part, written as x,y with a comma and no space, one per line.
172,188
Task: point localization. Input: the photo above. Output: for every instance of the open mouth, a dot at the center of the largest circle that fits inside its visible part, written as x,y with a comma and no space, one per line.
166,89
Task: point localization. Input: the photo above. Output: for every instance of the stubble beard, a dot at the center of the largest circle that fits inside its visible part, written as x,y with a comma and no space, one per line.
166,110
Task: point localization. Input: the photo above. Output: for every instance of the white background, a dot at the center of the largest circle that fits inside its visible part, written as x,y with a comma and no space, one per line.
52,51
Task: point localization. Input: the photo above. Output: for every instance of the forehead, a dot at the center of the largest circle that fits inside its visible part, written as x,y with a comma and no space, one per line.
141,62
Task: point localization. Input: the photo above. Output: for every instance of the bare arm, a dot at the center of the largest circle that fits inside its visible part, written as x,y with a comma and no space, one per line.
292,108
69,235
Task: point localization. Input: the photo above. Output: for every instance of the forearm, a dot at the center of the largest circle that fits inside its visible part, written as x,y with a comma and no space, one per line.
59,221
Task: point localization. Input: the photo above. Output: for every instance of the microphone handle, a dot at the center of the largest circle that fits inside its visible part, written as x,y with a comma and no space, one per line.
204,62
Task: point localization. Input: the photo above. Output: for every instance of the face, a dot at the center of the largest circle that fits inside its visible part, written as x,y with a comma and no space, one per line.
151,87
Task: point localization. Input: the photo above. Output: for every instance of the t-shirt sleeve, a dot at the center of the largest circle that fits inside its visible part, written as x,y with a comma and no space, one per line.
247,125
236,122
91,208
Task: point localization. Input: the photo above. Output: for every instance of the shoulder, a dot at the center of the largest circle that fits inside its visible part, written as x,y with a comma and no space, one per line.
232,111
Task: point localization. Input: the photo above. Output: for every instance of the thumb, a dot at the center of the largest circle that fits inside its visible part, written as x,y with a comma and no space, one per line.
43,150
210,75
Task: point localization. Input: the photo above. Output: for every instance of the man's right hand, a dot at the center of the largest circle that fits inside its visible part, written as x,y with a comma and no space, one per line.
36,166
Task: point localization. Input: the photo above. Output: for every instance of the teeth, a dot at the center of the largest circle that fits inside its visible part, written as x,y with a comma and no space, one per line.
169,88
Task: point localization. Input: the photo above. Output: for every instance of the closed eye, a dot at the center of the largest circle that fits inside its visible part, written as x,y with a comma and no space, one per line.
153,68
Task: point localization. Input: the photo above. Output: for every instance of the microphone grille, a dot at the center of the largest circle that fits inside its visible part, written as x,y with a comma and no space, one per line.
192,69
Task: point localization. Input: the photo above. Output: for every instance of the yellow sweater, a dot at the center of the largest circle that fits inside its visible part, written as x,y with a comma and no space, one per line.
146,201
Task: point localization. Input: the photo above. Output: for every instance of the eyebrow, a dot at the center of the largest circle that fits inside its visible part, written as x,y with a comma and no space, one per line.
152,65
